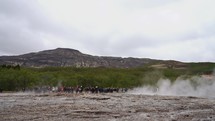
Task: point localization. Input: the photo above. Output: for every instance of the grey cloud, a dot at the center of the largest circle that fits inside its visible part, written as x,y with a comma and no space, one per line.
16,39
124,46
146,3
203,32
15,35
27,10
22,25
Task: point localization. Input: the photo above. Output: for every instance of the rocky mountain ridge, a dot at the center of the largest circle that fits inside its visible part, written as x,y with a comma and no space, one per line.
64,57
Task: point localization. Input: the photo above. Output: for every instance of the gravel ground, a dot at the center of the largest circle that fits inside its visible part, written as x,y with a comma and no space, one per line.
103,107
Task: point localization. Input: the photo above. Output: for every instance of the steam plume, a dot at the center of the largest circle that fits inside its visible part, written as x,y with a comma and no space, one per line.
198,86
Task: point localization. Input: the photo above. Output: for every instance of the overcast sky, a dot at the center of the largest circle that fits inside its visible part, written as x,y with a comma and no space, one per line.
181,30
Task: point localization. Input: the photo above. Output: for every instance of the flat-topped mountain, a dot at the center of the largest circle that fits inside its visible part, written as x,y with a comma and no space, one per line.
64,57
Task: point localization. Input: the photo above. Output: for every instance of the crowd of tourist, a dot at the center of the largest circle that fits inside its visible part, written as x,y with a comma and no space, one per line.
79,89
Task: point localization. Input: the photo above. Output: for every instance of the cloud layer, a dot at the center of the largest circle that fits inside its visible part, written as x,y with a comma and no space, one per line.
168,29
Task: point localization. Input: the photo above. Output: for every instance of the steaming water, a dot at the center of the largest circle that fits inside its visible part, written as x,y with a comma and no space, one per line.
203,86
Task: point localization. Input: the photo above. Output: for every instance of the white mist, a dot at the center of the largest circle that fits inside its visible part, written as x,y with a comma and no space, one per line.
203,86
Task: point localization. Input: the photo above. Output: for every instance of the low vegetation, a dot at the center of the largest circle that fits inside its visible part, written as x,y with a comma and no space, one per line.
15,78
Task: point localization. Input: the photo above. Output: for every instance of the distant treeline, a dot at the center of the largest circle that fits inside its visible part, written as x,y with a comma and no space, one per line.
15,78
10,66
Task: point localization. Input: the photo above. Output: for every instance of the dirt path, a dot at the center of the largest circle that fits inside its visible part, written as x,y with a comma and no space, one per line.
103,107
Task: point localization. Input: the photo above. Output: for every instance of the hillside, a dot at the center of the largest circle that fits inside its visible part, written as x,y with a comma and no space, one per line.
71,68
62,57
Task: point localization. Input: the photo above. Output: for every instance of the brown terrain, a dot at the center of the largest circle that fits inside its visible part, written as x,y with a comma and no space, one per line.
64,57
103,107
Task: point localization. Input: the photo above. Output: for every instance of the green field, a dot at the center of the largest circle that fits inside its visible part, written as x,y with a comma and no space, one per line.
17,78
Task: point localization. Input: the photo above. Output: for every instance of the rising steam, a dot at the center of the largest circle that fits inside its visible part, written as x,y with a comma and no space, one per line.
199,86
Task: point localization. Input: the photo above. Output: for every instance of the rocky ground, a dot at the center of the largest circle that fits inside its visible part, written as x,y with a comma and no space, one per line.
103,107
